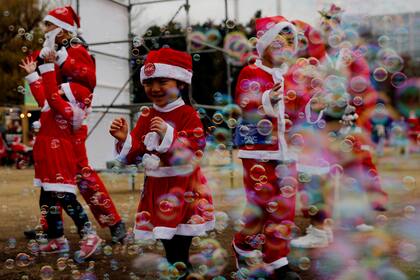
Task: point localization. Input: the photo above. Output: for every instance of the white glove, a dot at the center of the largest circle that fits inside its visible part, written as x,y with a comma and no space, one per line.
151,141
61,56
44,52
49,42
36,125
150,162
50,38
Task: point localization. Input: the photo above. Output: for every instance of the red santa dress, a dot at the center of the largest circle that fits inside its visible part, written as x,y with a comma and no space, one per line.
175,199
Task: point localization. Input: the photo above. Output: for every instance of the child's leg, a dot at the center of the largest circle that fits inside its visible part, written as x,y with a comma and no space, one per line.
43,201
317,204
57,243
74,209
96,195
91,186
178,249
53,217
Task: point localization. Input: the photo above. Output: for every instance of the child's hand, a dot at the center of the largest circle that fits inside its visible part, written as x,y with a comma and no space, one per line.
159,125
28,64
276,93
50,56
119,129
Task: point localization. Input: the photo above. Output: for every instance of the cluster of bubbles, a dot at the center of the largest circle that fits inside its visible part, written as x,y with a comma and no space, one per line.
201,39
342,259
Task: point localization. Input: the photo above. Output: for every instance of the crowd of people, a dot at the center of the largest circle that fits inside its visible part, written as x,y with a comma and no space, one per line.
297,89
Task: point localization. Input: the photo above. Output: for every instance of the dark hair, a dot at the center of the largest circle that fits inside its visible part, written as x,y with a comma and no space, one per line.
184,90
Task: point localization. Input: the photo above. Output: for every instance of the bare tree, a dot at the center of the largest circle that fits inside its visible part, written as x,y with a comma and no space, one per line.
19,34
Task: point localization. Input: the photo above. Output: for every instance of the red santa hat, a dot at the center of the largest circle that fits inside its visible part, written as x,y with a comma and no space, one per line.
77,93
270,27
315,45
64,17
167,63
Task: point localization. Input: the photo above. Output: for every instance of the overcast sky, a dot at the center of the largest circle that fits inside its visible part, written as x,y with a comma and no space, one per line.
201,10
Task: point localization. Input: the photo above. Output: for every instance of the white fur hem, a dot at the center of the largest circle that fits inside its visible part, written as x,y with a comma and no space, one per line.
48,67
244,253
67,91
314,170
278,263
181,229
121,156
266,155
268,107
169,171
58,187
33,77
167,140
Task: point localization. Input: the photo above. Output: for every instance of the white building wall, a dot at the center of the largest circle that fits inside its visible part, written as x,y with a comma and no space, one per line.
103,20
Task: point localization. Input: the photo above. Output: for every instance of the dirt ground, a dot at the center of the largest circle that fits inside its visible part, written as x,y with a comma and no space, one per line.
19,211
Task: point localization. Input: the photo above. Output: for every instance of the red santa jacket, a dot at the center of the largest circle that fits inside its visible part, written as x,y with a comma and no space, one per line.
44,90
55,163
263,131
173,155
75,64
413,128
356,70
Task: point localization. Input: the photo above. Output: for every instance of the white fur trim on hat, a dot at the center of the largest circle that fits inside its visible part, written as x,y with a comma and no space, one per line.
68,93
268,37
161,70
61,23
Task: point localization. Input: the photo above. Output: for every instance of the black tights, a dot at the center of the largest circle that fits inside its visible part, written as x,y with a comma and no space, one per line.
56,201
178,249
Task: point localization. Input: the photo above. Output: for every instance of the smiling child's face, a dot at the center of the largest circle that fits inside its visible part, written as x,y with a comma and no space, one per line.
161,91
280,50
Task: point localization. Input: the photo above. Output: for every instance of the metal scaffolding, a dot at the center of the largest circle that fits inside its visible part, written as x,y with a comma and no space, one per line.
129,6
186,7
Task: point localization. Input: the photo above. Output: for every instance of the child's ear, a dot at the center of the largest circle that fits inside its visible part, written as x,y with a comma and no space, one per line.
181,86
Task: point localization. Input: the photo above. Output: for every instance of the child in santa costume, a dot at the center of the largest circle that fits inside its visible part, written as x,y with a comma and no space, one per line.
347,59
309,139
359,93
55,160
380,122
176,203
269,110
413,130
75,64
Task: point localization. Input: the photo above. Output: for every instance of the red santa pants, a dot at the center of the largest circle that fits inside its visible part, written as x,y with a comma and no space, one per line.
268,217
91,186
359,165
